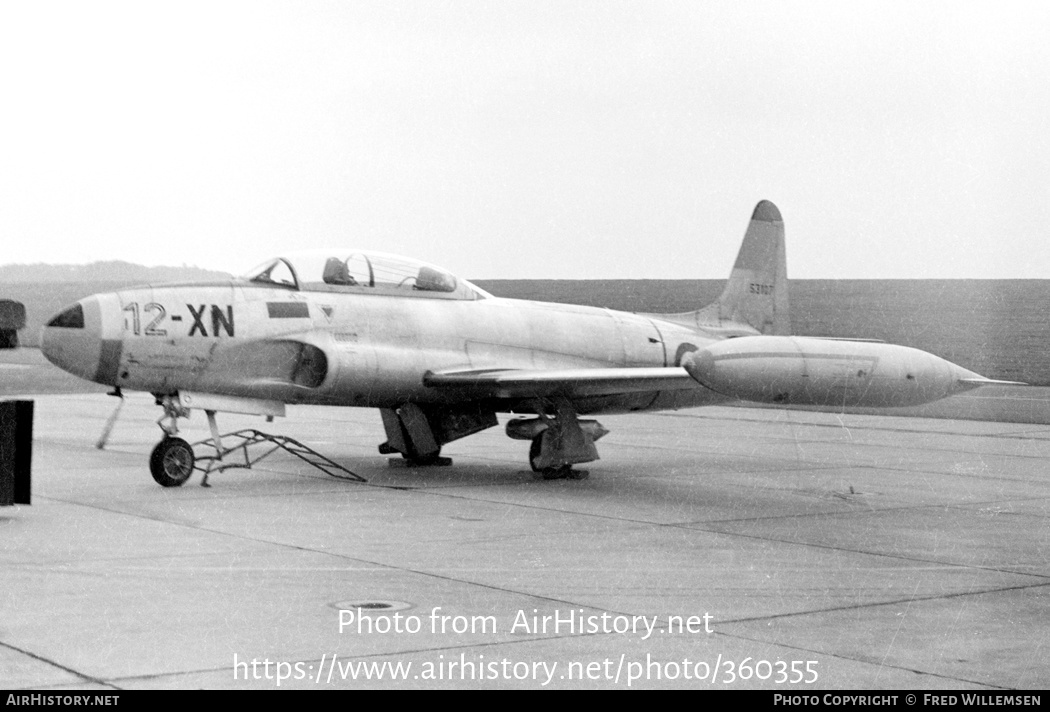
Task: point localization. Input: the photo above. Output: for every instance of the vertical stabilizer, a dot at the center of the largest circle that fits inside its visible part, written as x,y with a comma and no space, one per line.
756,293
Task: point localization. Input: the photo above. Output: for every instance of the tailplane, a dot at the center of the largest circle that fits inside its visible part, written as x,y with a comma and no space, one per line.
755,298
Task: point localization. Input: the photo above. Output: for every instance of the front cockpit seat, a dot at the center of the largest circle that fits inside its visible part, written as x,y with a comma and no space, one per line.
336,272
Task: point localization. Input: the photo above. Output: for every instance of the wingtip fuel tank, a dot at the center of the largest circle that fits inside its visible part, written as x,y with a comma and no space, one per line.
795,370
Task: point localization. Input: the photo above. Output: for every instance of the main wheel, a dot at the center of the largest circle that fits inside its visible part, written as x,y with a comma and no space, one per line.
534,453
547,473
171,462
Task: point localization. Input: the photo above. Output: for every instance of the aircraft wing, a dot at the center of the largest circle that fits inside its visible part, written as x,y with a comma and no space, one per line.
572,383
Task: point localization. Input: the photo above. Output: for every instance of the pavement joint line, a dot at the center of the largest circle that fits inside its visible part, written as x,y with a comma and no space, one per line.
895,557
882,604
1027,434
839,426
853,443
864,427
83,676
875,510
814,466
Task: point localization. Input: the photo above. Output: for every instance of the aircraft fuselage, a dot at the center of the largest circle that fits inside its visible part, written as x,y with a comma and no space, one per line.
253,341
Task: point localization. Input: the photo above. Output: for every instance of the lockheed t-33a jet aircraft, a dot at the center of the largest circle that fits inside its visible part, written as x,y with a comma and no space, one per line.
440,357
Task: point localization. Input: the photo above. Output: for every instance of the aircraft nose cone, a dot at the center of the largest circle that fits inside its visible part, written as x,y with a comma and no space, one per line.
72,340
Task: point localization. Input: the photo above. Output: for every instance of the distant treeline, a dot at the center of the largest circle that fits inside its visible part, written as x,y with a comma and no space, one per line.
111,271
998,328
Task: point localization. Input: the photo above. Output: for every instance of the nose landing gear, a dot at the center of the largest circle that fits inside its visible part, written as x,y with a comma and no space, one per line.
172,460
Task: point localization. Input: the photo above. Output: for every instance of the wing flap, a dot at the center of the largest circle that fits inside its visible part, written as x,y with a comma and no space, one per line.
572,383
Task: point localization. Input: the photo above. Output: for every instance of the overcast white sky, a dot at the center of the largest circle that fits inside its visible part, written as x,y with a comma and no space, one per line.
531,139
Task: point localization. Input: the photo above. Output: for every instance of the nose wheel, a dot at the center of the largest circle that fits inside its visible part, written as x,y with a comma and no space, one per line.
171,462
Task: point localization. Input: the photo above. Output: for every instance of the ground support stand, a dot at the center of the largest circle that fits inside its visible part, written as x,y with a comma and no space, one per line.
213,458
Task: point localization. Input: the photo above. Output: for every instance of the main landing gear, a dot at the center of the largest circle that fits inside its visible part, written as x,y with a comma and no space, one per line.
559,472
559,440
417,435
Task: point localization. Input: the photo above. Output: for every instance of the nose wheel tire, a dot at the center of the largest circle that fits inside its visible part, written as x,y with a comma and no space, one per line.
171,462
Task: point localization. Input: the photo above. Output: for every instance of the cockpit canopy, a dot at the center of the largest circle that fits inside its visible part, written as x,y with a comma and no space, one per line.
362,273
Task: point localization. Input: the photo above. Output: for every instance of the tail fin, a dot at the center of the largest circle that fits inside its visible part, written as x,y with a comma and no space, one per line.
756,294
